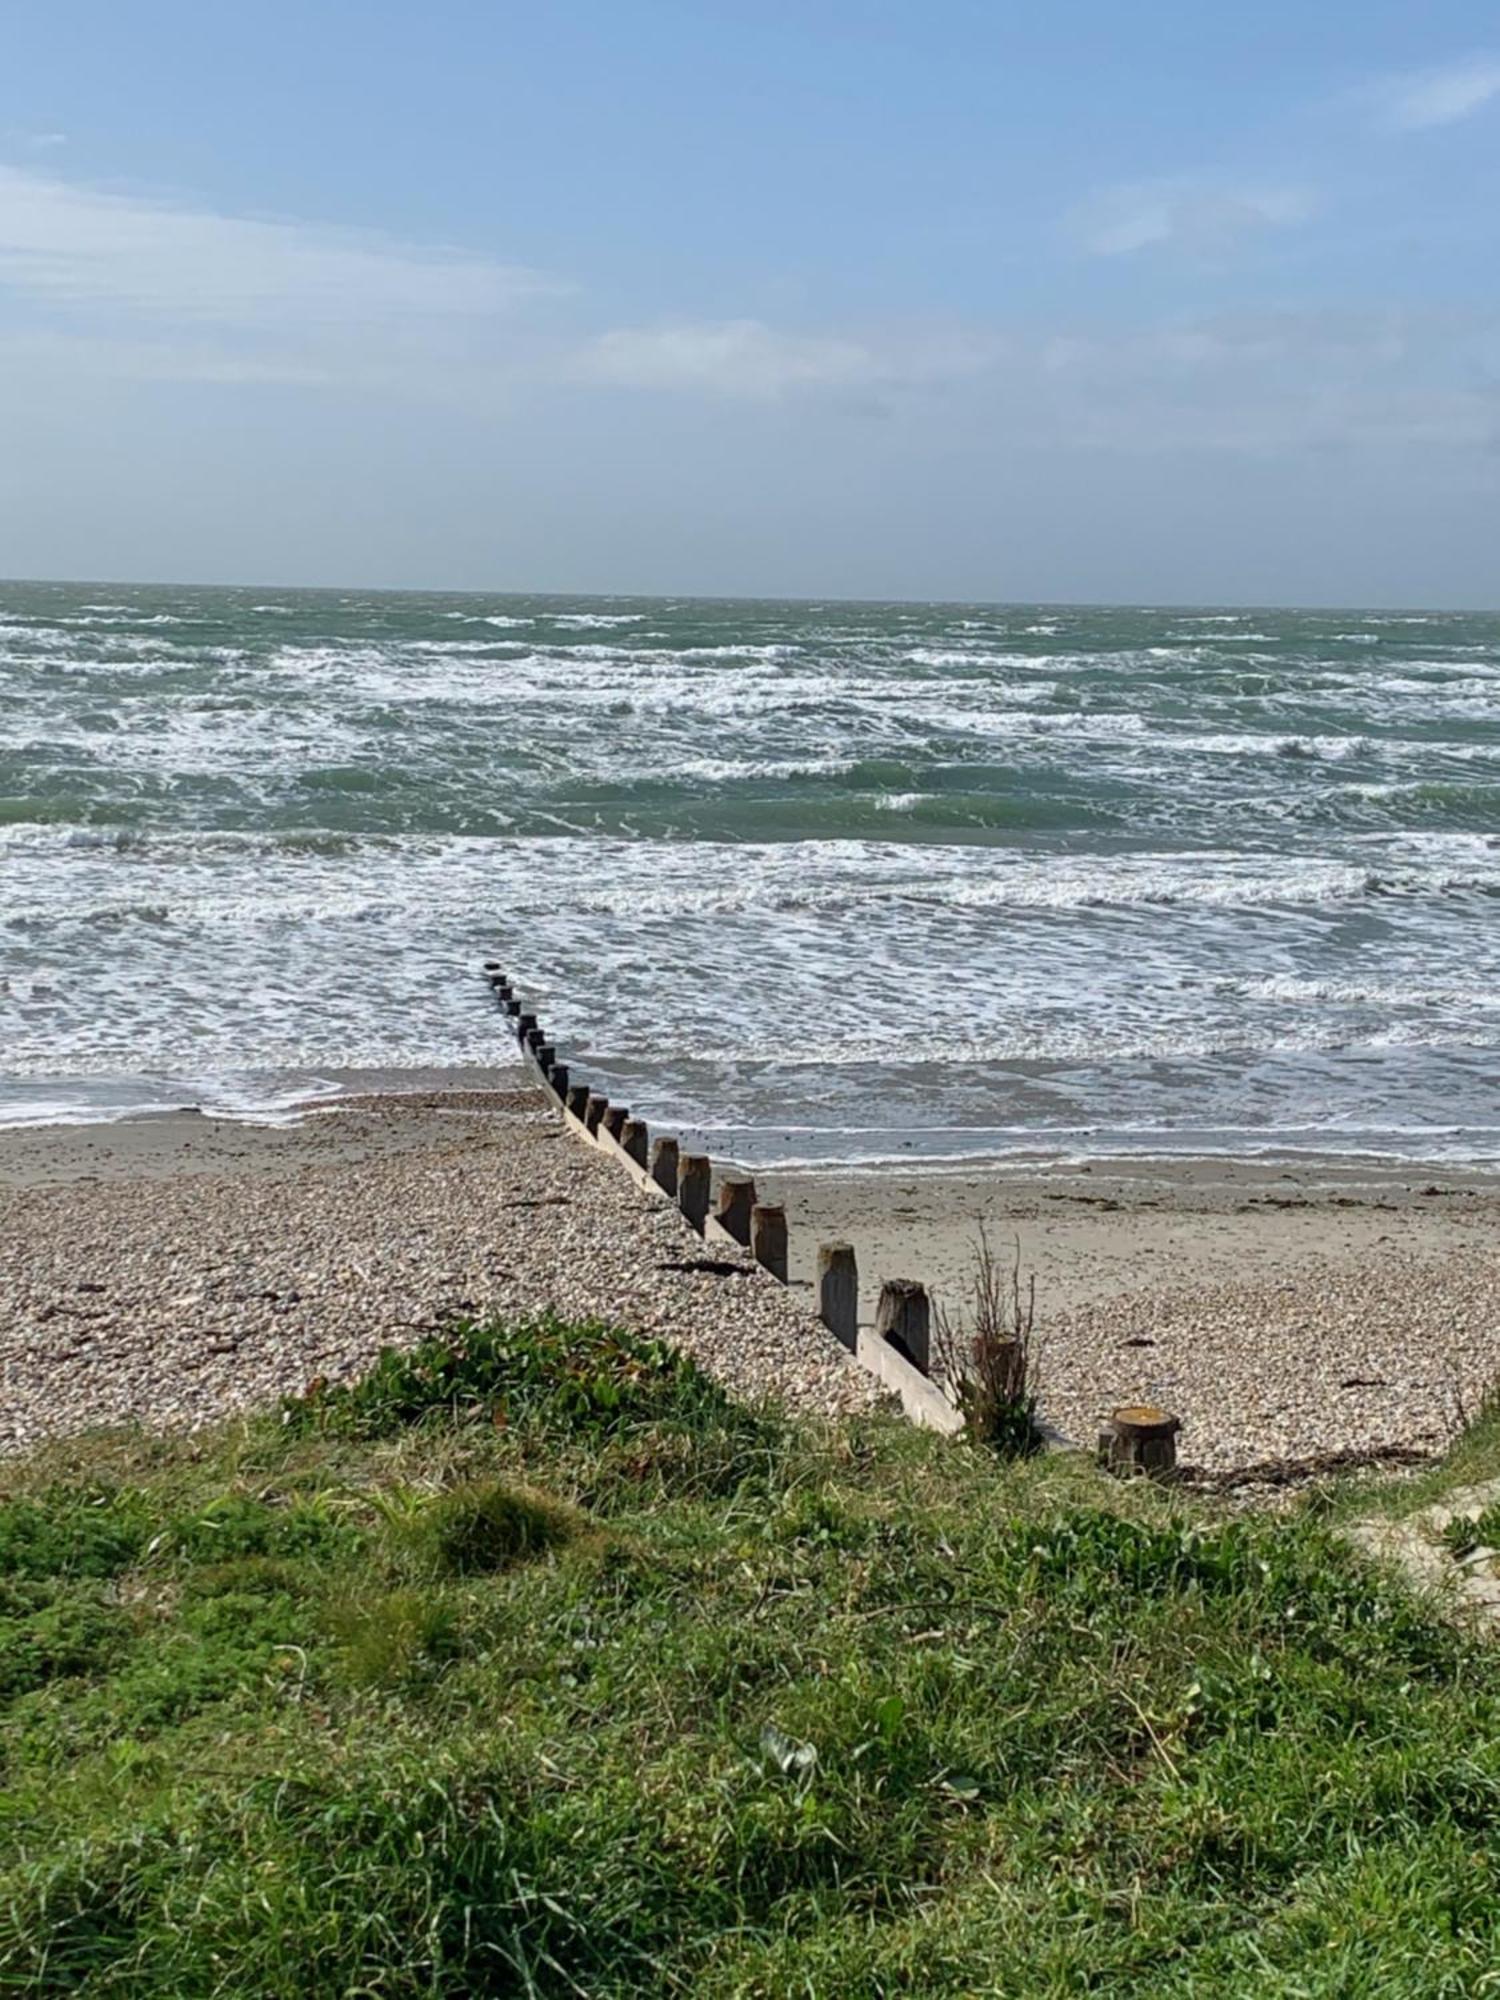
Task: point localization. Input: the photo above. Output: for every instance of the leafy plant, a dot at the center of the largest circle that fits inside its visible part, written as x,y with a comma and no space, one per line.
1462,1537
592,1378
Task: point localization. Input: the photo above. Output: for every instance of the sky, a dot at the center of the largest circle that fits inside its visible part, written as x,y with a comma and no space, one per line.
965,299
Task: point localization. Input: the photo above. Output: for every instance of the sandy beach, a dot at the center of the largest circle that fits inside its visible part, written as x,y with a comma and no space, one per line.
1287,1313
174,1268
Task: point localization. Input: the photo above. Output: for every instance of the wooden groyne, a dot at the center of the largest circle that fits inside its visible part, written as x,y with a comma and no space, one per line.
897,1349
732,1215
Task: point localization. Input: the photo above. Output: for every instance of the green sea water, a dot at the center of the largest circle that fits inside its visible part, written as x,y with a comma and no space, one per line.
808,880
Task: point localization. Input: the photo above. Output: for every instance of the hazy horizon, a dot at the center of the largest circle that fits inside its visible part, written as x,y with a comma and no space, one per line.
261,583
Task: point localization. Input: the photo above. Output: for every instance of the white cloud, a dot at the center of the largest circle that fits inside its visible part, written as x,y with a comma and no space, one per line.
86,250
1192,216
1271,384
745,358
1425,98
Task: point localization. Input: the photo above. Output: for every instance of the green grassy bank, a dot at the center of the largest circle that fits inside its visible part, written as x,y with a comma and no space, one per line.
534,1666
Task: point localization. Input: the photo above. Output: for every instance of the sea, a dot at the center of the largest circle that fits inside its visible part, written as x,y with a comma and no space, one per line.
807,882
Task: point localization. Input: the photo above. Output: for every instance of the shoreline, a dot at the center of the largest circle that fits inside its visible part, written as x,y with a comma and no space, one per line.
1288,1313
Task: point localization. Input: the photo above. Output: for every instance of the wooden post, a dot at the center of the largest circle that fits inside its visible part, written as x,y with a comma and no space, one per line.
557,1077
768,1237
594,1110
838,1292
732,1210
511,1005
525,1023
1140,1439
693,1177
635,1137
578,1099
904,1318
543,1054
613,1120
492,965
664,1165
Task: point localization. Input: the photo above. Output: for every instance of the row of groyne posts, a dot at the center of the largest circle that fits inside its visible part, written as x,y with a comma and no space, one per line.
898,1349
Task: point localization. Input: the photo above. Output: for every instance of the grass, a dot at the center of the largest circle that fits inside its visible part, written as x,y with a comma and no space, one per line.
534,1666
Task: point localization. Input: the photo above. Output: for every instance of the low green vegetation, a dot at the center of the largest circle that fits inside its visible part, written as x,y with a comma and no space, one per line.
532,1665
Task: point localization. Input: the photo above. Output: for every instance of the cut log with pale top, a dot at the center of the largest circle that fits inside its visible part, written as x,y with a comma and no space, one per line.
1140,1439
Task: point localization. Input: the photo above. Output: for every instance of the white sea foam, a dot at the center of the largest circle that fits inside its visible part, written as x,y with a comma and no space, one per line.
587,621
1127,885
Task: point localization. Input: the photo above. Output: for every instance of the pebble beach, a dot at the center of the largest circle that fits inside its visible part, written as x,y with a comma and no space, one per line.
174,1271
178,1269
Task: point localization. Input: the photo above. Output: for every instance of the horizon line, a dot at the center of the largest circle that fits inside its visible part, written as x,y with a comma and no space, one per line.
769,597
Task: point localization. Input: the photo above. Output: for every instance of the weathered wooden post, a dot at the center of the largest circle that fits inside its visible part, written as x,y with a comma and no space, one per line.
543,1054
578,1099
694,1176
557,1077
732,1209
635,1137
664,1165
1140,1439
525,1023
768,1237
594,1110
512,1006
904,1319
613,1120
838,1292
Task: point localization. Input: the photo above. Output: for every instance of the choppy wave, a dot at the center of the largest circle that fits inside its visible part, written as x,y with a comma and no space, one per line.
1210,873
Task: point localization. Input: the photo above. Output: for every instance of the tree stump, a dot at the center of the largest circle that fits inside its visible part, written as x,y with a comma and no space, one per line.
1140,1440
768,1237
904,1319
838,1292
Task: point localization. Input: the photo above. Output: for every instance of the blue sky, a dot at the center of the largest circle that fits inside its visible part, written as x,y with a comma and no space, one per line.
1088,301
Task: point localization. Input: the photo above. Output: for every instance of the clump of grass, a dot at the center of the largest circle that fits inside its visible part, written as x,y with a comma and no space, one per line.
482,1527
401,1640
987,1353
